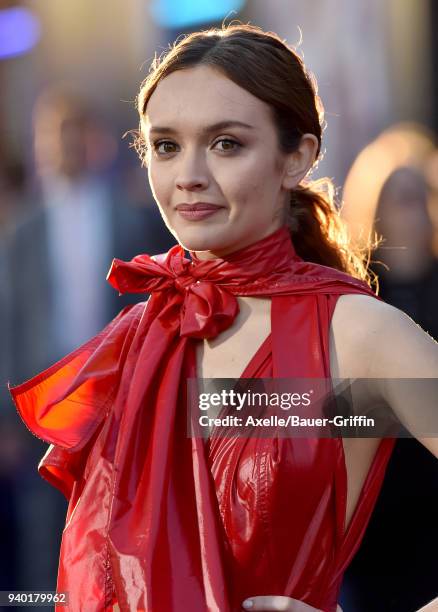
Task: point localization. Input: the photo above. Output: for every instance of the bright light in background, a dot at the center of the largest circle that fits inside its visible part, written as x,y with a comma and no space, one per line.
184,13
19,32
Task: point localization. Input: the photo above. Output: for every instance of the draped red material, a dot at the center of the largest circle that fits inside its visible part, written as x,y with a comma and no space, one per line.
161,522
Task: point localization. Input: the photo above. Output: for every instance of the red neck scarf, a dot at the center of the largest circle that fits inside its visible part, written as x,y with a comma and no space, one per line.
143,516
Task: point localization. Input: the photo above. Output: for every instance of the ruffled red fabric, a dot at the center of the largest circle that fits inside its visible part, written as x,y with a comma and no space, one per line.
162,522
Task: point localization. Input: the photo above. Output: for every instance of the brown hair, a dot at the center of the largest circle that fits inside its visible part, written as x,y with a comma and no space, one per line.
266,67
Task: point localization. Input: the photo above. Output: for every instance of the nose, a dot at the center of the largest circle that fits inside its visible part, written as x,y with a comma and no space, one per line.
192,172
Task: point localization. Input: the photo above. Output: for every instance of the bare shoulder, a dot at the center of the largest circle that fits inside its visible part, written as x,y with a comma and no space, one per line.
354,330
376,341
382,339
362,305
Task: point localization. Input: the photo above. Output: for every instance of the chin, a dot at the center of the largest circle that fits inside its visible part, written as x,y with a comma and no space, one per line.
202,238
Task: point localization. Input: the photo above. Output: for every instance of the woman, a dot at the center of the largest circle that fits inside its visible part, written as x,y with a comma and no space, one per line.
158,521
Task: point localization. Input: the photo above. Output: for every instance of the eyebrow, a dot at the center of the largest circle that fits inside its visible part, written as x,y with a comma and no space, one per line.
206,130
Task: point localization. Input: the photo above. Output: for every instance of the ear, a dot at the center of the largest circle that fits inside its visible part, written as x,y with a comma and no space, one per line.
298,163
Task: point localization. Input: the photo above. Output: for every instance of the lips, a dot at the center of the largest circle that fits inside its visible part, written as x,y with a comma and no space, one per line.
198,206
197,211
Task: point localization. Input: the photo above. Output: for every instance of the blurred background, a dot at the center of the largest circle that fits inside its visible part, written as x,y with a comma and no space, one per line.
73,196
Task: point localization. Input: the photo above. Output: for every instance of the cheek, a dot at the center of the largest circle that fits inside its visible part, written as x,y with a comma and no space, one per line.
253,178
159,184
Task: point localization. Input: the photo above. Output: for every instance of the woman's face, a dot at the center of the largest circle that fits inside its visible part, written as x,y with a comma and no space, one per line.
403,214
211,142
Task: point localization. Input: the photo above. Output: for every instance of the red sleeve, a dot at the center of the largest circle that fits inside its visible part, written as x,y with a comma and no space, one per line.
65,404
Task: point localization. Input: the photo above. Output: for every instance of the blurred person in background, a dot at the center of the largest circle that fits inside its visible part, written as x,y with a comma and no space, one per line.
396,568
408,277
82,219
56,254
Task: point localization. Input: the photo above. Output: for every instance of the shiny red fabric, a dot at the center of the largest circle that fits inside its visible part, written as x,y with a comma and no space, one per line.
161,522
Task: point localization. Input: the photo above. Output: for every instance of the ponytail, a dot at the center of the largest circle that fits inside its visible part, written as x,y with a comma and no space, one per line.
320,235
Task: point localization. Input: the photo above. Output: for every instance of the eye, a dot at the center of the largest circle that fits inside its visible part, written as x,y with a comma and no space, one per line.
230,144
163,147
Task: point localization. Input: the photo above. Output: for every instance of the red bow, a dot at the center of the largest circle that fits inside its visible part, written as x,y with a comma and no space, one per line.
207,309
206,286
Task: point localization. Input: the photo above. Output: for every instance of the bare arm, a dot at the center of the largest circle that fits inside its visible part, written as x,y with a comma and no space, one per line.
404,370
432,606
